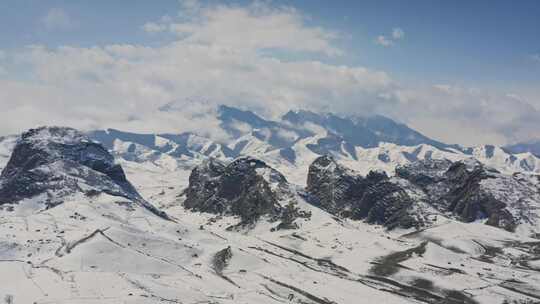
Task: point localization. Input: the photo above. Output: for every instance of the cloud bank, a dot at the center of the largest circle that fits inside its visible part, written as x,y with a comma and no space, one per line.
240,56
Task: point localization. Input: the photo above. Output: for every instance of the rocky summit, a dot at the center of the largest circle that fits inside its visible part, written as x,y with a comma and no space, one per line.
374,197
468,190
52,163
474,192
246,187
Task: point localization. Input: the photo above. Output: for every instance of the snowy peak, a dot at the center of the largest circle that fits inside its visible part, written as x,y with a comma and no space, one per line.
45,145
474,192
246,187
530,147
49,164
160,148
276,134
499,158
292,143
467,189
375,197
366,132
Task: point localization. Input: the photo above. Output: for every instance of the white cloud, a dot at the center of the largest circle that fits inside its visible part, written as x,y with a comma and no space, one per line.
189,6
261,26
398,33
124,86
153,27
57,19
141,79
468,115
388,41
382,40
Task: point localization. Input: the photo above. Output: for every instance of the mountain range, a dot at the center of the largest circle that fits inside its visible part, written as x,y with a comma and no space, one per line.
308,208
291,143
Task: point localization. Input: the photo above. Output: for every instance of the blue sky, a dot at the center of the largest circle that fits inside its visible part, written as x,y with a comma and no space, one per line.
488,42
477,52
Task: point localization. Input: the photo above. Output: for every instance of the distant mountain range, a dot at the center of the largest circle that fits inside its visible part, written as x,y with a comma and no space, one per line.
292,142
531,147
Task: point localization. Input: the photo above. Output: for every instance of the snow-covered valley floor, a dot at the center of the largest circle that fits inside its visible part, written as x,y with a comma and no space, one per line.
102,250
105,250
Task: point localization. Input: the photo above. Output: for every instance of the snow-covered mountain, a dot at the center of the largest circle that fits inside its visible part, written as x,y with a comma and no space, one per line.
283,212
291,143
530,146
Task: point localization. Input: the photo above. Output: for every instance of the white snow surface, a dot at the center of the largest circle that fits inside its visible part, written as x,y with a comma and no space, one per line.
106,249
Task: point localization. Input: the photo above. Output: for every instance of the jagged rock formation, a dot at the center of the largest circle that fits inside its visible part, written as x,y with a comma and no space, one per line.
221,260
54,162
337,189
375,197
386,203
457,187
246,187
468,190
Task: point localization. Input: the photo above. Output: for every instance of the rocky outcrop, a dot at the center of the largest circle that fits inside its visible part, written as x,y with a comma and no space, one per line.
374,197
468,190
457,187
55,162
221,260
336,188
246,187
386,203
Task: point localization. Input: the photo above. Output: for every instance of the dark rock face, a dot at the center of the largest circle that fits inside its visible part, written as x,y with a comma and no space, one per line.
221,260
335,187
57,162
387,204
455,187
374,197
448,187
246,187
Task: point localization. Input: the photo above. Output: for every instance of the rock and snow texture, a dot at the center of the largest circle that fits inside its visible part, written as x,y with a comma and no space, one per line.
101,244
291,143
375,197
246,187
49,164
6,147
96,250
474,192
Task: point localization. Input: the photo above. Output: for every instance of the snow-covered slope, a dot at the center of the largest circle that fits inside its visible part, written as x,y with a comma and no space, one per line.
6,147
104,249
